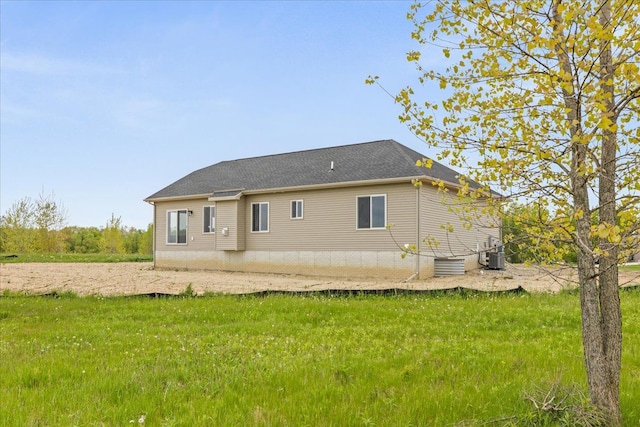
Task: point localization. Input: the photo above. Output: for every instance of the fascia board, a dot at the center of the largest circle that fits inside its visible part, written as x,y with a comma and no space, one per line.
177,198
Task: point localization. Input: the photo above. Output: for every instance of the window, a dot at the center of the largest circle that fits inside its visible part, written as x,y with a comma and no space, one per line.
209,219
296,209
260,217
177,227
372,212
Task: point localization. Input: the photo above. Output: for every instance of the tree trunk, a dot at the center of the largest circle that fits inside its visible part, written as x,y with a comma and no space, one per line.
604,387
599,297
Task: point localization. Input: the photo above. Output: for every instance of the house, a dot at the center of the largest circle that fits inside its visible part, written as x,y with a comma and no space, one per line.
635,256
315,212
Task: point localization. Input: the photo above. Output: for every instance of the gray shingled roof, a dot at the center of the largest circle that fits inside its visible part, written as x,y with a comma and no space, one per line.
357,162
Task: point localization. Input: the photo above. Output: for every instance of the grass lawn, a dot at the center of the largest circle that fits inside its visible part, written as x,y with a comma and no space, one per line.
15,258
278,360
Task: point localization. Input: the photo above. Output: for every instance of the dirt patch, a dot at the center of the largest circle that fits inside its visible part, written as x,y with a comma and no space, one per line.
141,278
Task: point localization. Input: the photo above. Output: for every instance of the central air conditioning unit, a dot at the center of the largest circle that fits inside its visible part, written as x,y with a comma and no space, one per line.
496,260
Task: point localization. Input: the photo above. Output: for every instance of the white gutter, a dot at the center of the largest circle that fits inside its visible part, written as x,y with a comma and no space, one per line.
209,196
332,185
172,198
426,180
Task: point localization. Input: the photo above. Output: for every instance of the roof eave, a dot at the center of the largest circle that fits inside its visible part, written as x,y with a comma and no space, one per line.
245,192
334,185
226,198
456,186
176,198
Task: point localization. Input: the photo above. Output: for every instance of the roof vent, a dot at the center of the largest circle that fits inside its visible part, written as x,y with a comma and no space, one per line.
332,166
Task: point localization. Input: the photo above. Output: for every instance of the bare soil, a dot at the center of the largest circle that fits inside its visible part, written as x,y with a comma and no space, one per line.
141,278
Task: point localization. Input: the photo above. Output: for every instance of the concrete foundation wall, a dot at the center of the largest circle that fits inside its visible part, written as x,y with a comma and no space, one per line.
348,264
351,264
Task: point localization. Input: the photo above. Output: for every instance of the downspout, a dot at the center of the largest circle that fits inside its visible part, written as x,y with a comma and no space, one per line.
418,231
154,236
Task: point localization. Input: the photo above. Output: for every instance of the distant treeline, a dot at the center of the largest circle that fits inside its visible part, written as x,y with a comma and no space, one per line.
39,226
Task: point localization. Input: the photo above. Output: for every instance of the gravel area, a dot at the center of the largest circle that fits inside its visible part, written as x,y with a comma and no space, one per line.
140,278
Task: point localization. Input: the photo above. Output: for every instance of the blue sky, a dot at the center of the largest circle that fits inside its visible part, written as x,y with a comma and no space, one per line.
104,103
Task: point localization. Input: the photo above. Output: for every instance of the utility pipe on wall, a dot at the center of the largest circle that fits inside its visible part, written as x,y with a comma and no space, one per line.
418,230
154,235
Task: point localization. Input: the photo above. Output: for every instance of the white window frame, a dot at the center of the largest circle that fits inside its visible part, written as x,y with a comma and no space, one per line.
296,212
371,227
186,225
260,230
212,219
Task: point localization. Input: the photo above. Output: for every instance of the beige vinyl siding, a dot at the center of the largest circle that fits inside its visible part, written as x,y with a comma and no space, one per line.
196,239
326,241
329,221
242,231
230,218
437,211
